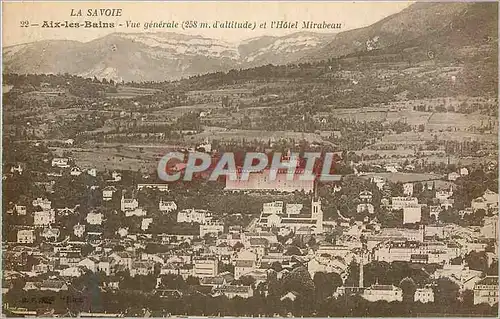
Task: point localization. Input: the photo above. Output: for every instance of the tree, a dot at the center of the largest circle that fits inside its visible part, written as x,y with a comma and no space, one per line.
408,286
326,284
446,292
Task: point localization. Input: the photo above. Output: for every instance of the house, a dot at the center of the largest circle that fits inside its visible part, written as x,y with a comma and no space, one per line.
44,218
453,176
60,162
116,177
139,212
231,291
128,204
44,204
365,196
94,218
211,228
79,230
107,193
423,295
192,215
167,206
486,291
401,202
122,258
242,267
365,207
75,171
464,171
50,233
217,281
104,265
25,236
160,187
20,210
291,295
92,172
71,272
142,268
488,202
387,293
122,231
90,263
408,189
145,223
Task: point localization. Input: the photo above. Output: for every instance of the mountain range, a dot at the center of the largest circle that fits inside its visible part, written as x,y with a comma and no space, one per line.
169,56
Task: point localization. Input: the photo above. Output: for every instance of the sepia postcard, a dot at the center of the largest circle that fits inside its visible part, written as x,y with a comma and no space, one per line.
200,159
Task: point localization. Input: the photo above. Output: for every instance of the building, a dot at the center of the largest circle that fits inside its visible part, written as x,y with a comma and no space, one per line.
402,202
107,193
20,210
60,162
424,295
412,214
243,267
142,268
205,268
414,251
167,206
192,215
408,189
94,218
490,227
128,204
211,228
160,187
44,218
486,291
79,230
145,223
365,196
294,219
261,181
443,195
231,291
365,207
50,233
44,204
453,176
387,293
25,236
488,202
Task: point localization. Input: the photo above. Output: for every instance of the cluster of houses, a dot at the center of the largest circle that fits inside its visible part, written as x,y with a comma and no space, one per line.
253,251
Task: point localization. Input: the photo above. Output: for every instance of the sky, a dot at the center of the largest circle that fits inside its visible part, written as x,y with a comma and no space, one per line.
350,14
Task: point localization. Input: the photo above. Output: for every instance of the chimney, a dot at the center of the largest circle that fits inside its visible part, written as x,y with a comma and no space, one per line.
361,272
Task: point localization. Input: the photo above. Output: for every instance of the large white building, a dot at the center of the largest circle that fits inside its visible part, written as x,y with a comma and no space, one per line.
412,214
205,268
261,181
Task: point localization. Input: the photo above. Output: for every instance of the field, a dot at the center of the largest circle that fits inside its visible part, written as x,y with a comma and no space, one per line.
128,92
